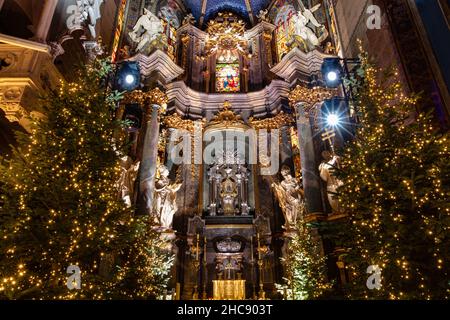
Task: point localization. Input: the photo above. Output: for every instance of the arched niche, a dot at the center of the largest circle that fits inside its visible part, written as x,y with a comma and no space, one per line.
229,168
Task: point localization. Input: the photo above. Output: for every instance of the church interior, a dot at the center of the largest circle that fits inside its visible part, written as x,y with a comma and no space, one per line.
232,138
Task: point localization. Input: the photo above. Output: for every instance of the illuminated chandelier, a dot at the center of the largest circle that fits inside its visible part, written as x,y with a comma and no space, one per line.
226,39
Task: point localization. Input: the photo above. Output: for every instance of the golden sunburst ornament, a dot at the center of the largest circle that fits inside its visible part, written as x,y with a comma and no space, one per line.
226,38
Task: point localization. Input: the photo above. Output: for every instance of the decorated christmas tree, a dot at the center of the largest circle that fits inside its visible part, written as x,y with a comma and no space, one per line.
145,273
60,213
305,265
396,192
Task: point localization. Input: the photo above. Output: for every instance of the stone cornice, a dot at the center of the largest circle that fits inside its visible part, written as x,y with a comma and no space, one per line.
192,30
260,103
160,62
27,44
296,61
258,29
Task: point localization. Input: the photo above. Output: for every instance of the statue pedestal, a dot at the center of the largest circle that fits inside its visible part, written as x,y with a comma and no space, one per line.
168,235
290,233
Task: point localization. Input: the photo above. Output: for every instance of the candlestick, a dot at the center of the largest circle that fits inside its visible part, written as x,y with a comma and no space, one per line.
259,248
251,248
198,240
204,250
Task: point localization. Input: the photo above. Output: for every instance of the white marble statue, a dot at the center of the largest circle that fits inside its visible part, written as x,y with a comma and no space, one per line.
128,175
302,30
290,197
326,168
147,28
165,202
84,11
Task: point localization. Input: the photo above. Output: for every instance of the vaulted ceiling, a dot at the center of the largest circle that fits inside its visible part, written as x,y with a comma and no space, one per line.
204,10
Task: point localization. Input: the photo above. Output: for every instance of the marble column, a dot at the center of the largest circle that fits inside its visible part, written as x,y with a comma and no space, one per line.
310,173
147,172
45,20
285,146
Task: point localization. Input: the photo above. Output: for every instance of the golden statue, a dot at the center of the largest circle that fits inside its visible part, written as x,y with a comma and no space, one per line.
228,194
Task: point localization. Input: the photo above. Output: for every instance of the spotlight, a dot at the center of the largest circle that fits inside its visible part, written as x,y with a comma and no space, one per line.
333,120
332,76
335,114
332,72
128,77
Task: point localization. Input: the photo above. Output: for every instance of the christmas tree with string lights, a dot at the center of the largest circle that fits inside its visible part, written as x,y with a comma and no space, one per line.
59,201
145,273
305,265
396,190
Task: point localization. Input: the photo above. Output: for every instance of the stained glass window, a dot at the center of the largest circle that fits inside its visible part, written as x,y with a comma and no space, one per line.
227,77
171,35
285,29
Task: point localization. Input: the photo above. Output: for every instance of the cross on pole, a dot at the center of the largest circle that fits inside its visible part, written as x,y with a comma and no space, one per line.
328,135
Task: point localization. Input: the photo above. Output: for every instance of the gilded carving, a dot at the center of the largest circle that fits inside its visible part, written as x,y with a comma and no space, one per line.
227,117
155,96
310,96
280,120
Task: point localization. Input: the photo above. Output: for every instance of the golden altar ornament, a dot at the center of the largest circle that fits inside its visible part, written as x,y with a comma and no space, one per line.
229,289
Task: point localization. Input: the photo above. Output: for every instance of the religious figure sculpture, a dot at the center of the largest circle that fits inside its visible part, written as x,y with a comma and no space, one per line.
84,11
128,175
165,203
304,32
326,168
228,194
290,197
189,19
262,16
152,29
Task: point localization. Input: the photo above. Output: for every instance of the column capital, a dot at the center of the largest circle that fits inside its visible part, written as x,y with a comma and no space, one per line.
306,97
154,97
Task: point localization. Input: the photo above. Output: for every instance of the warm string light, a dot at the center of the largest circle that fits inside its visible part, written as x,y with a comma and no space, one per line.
393,181
305,266
67,210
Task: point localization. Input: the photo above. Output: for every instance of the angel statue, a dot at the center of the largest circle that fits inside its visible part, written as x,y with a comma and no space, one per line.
326,170
290,197
152,29
87,11
262,16
92,14
128,175
189,19
306,34
165,203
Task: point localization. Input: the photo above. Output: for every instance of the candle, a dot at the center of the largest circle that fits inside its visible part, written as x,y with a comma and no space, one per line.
204,250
